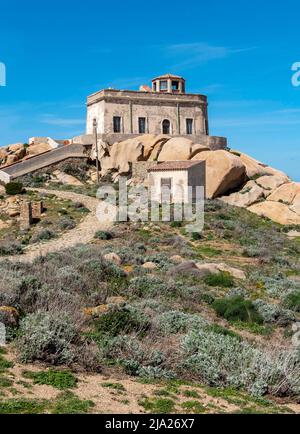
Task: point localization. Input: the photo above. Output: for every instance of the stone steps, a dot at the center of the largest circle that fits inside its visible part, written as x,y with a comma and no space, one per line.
41,161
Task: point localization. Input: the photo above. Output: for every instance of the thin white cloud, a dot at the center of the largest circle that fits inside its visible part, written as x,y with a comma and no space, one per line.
193,54
61,122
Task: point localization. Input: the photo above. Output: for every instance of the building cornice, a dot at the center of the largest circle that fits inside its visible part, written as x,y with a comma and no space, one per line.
130,95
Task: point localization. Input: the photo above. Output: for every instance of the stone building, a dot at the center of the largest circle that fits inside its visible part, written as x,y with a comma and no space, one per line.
165,108
180,178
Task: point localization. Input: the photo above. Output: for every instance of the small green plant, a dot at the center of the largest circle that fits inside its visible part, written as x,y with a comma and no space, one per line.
158,405
237,309
69,403
193,407
58,379
115,386
23,406
191,394
5,364
5,382
223,279
14,188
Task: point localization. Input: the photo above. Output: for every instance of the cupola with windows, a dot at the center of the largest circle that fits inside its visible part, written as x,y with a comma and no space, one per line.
169,83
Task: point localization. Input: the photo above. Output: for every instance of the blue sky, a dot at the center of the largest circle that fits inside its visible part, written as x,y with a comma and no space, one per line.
239,53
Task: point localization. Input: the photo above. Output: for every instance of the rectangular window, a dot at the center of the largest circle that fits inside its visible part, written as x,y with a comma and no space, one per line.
189,126
164,85
175,85
142,125
117,124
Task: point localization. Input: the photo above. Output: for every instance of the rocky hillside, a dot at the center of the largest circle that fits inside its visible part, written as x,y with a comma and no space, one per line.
232,176
151,318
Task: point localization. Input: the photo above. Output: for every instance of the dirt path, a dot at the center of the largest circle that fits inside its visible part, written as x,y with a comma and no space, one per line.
83,233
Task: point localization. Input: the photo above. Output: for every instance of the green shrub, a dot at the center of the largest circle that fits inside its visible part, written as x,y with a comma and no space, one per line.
237,309
176,224
8,248
58,379
13,188
222,279
196,236
104,235
121,320
66,223
43,235
292,301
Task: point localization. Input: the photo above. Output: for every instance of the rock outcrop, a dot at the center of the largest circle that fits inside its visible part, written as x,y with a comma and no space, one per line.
224,172
176,149
276,211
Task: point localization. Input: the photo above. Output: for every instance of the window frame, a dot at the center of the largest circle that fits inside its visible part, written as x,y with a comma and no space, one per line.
119,118
141,120
189,126
161,88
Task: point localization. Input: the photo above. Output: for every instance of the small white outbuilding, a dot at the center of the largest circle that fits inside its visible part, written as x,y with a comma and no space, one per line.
181,178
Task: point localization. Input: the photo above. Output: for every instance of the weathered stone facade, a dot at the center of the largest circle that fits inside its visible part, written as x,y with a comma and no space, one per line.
166,109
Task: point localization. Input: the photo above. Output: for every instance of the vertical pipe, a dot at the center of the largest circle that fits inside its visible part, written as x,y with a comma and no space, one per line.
131,117
178,119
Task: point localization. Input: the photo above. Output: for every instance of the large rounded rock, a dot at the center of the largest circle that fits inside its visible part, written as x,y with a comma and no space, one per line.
276,211
16,147
224,172
39,148
286,193
113,257
249,195
272,182
176,149
64,178
121,155
150,142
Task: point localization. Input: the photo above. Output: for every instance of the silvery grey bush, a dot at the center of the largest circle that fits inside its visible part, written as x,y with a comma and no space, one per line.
225,361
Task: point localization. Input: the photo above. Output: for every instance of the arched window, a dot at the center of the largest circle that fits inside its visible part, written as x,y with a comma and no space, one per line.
166,126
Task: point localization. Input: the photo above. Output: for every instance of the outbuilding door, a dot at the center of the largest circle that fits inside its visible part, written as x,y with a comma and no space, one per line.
166,186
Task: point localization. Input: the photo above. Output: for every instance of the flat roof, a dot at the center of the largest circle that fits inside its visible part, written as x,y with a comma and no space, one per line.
109,94
174,165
